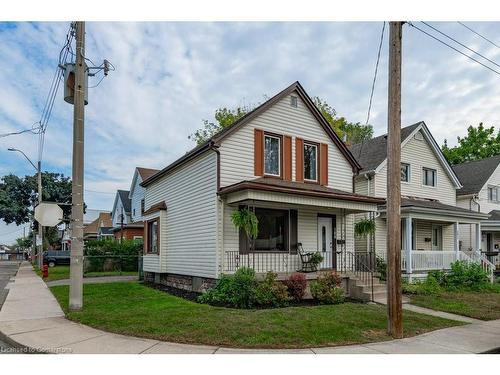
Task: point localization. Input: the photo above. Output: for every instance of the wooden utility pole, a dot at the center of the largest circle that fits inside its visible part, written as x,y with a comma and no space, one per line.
76,266
394,297
40,228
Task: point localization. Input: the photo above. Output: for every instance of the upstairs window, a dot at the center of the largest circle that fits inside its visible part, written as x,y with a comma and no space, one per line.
429,177
493,194
405,172
310,162
293,101
272,155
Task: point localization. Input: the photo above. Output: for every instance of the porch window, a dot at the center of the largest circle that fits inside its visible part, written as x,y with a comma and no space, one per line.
272,155
405,172
428,177
310,162
153,239
273,230
493,194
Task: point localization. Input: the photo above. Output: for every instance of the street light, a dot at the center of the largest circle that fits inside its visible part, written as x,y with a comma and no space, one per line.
38,169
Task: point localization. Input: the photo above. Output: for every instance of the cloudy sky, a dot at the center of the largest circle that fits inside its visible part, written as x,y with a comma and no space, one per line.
171,76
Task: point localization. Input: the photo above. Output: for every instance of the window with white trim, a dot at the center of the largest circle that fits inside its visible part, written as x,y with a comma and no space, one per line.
429,177
493,194
272,155
405,172
310,162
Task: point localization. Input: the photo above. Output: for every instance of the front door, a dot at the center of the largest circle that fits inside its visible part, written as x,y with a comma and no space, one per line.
326,244
437,237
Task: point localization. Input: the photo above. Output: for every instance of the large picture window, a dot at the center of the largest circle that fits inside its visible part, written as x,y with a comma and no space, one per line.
273,230
272,155
153,239
310,162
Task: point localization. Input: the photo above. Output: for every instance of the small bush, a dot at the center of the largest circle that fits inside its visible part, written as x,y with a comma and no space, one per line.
466,275
271,292
296,285
327,288
381,268
238,290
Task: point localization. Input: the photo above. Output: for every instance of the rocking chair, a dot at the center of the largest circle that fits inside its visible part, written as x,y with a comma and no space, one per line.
305,260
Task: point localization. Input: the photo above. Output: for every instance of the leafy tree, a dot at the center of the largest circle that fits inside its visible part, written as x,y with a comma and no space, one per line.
18,196
224,118
24,243
479,143
350,132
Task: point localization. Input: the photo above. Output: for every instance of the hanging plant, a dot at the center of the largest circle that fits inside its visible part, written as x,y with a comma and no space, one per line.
247,221
364,228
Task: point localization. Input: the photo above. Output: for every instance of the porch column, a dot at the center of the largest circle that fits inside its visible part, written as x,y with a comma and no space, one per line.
456,235
478,237
408,244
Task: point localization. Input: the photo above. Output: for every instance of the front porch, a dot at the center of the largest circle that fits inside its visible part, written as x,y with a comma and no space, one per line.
430,237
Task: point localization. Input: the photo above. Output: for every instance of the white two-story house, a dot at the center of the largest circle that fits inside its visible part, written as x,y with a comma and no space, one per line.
430,216
481,192
282,161
130,204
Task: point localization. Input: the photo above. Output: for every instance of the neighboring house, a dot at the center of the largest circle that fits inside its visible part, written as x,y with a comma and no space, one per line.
100,228
481,192
430,216
283,161
133,205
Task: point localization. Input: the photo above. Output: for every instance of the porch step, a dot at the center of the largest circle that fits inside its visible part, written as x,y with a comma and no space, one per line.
361,290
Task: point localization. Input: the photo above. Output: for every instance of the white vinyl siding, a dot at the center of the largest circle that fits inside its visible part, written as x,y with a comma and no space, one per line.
136,196
420,155
188,231
116,214
486,204
237,149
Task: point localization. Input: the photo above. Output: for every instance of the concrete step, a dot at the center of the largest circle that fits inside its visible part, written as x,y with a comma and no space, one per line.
376,288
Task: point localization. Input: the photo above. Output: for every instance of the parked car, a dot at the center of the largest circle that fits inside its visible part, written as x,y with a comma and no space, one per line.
56,257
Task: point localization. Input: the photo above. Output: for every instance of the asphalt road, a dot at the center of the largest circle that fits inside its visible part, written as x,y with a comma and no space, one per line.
7,270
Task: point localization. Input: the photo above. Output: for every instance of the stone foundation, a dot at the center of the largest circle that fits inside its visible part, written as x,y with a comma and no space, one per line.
183,282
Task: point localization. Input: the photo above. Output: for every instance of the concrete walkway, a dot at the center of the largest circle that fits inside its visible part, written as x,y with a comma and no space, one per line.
95,280
32,318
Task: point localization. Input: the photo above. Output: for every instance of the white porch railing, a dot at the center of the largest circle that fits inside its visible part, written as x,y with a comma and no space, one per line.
477,257
262,262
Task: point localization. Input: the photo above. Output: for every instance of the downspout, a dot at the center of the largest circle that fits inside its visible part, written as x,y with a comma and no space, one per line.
219,235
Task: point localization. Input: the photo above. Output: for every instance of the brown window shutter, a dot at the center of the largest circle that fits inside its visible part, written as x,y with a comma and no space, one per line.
293,232
287,158
323,164
299,160
145,238
258,152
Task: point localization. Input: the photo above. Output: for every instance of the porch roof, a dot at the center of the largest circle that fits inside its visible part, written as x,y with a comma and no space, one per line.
292,187
437,209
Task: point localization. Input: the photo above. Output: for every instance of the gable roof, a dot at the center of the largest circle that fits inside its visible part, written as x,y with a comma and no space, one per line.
145,173
372,154
103,220
123,196
214,141
475,174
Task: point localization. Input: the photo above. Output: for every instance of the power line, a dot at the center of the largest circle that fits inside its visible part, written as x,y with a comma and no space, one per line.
99,192
482,36
375,75
453,48
463,45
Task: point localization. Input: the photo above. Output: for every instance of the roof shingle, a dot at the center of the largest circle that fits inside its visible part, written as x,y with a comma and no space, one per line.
474,174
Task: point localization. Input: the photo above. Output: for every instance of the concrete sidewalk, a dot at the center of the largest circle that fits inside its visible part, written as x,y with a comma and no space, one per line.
32,318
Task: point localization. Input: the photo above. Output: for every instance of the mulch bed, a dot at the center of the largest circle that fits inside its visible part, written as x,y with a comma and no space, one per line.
186,294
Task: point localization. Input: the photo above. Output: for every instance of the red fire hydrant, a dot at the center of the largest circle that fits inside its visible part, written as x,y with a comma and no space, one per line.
45,271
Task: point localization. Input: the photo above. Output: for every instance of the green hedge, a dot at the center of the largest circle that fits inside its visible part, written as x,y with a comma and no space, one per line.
112,255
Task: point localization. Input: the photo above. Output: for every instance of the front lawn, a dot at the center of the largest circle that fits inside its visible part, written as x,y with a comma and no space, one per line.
135,309
479,305
62,272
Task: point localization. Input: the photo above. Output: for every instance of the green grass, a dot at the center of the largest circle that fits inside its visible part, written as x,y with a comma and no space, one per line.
134,309
480,305
62,272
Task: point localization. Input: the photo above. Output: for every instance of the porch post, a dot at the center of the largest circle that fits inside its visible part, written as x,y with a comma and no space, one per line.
478,237
457,240
408,244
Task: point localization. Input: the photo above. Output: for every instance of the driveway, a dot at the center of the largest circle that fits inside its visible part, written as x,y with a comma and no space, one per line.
7,270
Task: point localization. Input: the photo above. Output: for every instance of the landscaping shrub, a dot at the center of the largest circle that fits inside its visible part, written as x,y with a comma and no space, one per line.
111,255
272,293
327,288
466,275
296,285
238,290
381,268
